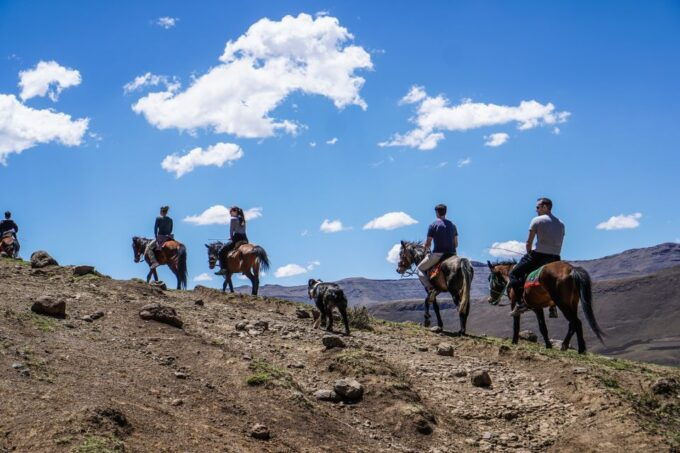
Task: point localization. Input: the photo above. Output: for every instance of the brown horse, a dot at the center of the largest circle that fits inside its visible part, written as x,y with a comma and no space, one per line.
173,253
559,284
246,259
8,246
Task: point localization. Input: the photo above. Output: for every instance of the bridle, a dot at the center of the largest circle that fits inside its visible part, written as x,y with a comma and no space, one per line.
412,251
497,295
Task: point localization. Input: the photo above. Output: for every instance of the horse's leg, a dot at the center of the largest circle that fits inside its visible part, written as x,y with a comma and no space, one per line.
515,329
231,285
542,327
579,335
567,339
345,320
435,305
224,284
253,281
256,277
329,319
426,321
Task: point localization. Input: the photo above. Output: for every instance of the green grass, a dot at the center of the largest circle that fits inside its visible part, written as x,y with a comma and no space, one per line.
359,318
43,323
265,373
98,444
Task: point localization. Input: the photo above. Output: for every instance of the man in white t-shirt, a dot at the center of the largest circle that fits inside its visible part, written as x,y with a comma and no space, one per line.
548,231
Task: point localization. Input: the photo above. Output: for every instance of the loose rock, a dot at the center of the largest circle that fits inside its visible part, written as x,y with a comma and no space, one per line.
160,285
480,378
664,386
528,335
435,329
349,389
83,270
302,314
332,341
161,313
326,395
260,432
445,349
42,259
46,305
199,302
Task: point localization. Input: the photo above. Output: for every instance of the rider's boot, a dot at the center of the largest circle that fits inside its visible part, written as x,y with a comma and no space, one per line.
521,306
153,262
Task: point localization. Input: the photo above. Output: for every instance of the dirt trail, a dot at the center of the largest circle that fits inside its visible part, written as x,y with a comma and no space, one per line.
120,383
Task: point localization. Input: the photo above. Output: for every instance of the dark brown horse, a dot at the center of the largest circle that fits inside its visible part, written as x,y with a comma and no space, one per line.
559,284
173,253
455,276
8,246
246,258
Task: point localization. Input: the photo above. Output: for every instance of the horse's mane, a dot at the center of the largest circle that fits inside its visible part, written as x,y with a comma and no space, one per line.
414,243
504,263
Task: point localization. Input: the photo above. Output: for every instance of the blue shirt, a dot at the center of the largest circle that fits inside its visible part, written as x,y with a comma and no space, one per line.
442,232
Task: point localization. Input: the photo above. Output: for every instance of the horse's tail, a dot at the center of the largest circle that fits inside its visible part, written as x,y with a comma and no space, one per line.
261,257
182,266
582,280
468,273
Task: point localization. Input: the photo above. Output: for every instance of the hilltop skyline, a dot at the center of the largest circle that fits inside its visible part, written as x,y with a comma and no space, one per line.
337,128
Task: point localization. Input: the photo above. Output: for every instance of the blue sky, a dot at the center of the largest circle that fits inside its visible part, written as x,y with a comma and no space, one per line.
605,74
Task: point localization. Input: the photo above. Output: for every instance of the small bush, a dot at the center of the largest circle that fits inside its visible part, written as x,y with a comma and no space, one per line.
359,318
265,373
98,444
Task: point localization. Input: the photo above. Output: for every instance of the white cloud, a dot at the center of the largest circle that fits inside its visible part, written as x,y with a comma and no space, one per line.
47,78
151,80
23,127
313,265
216,155
258,71
621,222
512,249
434,115
556,130
219,215
304,233
289,270
167,22
332,226
312,144
441,165
496,139
390,221
393,254
464,162
332,141
204,277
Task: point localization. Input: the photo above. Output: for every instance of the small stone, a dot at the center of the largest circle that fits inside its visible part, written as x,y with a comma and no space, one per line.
423,427
83,270
17,365
260,432
159,285
97,315
487,435
460,373
349,389
528,335
445,349
480,378
241,325
326,395
435,329
177,402
298,365
332,341
580,370
199,302
24,372
86,318
161,313
503,349
46,305
422,348
180,375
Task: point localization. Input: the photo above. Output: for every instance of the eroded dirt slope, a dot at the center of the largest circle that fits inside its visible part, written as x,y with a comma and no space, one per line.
120,383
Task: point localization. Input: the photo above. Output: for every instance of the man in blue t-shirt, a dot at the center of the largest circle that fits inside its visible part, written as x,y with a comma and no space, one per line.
445,236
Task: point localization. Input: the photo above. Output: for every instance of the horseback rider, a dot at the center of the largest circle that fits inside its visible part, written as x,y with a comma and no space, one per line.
162,231
8,226
237,233
549,231
445,236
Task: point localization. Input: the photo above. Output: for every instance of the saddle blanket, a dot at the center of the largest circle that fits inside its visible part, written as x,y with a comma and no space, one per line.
532,278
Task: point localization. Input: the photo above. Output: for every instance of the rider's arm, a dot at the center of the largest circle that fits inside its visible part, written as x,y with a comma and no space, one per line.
155,227
455,242
16,227
428,242
170,226
530,240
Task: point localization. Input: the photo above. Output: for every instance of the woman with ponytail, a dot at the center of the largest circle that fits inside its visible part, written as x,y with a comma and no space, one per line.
237,231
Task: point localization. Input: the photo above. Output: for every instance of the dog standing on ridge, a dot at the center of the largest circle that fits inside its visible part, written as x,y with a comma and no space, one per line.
326,296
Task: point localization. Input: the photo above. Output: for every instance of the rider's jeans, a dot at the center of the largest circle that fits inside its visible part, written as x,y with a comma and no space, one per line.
429,261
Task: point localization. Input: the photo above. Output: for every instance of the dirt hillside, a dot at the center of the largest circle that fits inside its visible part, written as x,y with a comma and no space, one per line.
104,379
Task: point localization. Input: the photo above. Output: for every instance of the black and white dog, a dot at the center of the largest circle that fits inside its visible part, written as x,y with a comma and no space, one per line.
326,296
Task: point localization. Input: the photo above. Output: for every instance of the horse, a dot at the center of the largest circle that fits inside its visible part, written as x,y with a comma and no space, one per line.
455,276
8,246
560,284
246,259
173,253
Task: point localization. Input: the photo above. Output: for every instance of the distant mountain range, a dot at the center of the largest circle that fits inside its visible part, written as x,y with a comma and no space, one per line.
636,298
363,291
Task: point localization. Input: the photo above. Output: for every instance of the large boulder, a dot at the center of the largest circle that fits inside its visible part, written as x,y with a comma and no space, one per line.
42,259
161,313
48,306
83,270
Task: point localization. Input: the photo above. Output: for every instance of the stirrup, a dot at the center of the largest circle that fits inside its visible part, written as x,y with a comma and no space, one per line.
520,308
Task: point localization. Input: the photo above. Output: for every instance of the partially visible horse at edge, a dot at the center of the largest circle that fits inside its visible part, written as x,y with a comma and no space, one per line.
8,246
455,276
246,258
560,284
173,254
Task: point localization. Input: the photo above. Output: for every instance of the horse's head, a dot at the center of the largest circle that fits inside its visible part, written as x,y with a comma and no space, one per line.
498,280
138,247
410,254
213,253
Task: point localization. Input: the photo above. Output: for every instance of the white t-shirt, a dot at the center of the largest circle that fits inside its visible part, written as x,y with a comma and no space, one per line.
550,232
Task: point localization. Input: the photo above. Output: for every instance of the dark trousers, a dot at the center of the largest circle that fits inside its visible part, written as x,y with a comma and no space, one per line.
229,245
529,263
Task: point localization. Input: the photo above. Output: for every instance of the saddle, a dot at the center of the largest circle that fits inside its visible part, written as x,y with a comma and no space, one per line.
162,239
435,271
235,252
532,279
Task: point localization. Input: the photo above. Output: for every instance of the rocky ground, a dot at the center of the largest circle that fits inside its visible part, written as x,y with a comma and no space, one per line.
82,371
